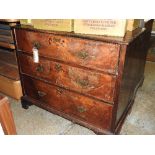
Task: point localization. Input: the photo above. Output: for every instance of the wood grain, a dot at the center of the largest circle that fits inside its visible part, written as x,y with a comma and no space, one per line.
91,80
84,108
97,85
7,45
96,55
6,117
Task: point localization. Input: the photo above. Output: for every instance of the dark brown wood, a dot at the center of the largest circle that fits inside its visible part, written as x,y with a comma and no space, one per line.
149,24
8,56
91,80
5,38
128,108
5,32
100,86
8,64
96,55
9,74
128,38
7,45
132,74
78,106
6,117
140,56
9,71
118,85
29,101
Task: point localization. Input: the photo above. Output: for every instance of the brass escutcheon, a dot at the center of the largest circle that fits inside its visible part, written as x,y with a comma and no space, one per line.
36,44
83,83
59,90
39,68
82,54
81,109
58,67
56,40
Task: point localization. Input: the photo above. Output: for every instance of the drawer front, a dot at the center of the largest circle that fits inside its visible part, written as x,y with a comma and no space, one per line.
5,32
7,39
96,113
92,54
98,85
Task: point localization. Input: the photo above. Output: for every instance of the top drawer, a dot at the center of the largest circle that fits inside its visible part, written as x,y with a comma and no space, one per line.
88,53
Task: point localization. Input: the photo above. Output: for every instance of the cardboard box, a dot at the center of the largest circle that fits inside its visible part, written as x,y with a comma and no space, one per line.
142,23
53,24
26,21
107,27
132,24
10,87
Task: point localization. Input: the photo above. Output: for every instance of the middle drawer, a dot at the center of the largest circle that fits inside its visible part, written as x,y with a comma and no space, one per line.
96,85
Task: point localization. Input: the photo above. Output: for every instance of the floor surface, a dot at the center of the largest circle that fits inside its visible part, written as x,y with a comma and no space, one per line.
141,120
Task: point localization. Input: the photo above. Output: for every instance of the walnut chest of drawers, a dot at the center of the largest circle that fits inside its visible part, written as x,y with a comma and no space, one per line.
90,80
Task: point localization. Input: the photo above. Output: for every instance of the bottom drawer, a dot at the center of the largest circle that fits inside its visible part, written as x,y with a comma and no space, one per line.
96,113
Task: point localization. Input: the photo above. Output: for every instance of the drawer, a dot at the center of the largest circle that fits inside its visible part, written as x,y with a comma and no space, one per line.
91,111
98,85
88,53
6,32
5,27
7,39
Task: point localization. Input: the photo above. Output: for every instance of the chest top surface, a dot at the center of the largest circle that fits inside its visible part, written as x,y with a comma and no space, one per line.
129,36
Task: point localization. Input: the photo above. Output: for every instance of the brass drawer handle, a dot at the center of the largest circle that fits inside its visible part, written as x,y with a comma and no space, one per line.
36,45
39,68
41,93
59,90
55,41
58,67
82,54
81,109
83,83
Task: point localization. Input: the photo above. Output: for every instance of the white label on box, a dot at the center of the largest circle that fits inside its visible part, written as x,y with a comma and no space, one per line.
35,55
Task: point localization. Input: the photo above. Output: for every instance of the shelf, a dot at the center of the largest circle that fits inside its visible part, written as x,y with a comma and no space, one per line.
7,45
8,56
7,39
9,20
9,71
5,32
8,64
